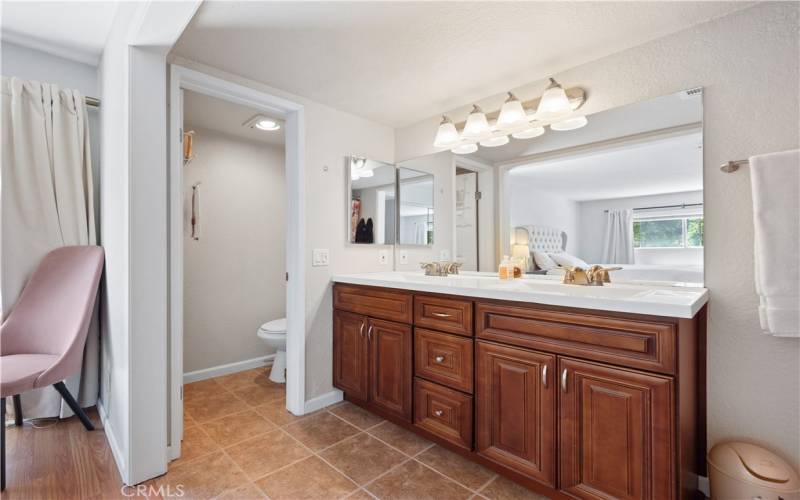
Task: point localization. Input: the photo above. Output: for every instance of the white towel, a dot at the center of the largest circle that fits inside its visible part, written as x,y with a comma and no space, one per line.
196,211
775,180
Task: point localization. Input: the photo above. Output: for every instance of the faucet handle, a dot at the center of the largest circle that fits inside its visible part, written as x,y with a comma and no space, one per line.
599,274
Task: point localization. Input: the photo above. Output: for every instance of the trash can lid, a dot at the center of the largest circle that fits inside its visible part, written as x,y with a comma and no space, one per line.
754,464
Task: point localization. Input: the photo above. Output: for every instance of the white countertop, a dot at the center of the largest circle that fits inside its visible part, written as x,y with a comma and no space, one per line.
673,300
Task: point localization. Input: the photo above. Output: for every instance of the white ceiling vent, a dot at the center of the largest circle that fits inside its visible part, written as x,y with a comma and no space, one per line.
689,93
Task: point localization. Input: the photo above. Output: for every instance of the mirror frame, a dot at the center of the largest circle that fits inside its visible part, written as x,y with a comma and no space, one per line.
348,201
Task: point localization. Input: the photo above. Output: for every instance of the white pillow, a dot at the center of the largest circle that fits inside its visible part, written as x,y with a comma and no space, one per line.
543,261
566,260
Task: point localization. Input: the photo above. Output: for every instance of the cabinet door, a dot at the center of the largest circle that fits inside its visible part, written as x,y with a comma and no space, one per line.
617,432
515,397
350,354
390,366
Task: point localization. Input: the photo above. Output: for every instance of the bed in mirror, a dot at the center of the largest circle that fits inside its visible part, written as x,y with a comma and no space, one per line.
416,207
371,201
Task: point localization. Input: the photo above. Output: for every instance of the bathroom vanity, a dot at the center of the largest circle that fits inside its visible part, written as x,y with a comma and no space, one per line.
587,392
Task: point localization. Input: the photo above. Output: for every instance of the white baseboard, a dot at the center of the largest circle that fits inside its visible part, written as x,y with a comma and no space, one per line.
703,486
218,371
113,442
324,400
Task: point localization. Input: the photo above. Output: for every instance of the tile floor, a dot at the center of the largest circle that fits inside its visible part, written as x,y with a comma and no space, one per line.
241,443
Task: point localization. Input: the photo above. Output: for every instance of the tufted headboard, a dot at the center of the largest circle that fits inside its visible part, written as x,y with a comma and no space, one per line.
541,238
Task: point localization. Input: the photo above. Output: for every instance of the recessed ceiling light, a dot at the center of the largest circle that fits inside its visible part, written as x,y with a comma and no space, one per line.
262,122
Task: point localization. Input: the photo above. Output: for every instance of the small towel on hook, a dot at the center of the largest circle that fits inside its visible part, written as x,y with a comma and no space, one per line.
196,211
775,180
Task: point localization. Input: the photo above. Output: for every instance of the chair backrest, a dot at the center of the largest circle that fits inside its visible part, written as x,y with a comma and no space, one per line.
53,312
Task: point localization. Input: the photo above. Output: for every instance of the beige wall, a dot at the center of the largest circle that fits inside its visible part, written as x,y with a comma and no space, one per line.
748,64
234,274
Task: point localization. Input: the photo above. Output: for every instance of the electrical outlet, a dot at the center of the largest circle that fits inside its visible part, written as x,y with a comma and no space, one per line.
444,255
383,256
404,256
320,257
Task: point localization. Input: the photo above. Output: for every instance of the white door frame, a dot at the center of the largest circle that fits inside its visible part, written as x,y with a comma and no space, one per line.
292,113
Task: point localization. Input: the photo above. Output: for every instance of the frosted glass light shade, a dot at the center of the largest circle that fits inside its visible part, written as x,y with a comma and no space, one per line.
464,149
476,127
493,142
528,133
447,135
570,123
512,114
554,103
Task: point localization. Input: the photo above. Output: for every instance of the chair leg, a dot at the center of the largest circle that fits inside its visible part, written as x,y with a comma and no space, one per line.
17,410
3,444
74,406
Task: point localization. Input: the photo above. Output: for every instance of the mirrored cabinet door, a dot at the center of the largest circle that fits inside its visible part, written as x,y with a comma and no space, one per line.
372,204
416,212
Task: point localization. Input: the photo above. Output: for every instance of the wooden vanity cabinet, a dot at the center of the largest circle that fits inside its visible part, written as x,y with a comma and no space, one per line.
571,403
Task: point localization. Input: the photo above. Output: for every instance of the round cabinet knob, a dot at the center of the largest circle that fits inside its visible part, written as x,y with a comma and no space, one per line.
439,359
438,413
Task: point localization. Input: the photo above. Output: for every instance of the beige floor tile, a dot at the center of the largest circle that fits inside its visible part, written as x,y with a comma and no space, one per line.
506,489
320,430
188,421
360,494
276,412
362,458
196,443
414,481
456,467
201,389
258,394
309,479
227,431
264,454
356,415
205,477
214,406
403,440
239,380
248,491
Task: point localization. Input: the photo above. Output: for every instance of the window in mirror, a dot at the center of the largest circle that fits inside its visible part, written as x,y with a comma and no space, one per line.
416,213
372,215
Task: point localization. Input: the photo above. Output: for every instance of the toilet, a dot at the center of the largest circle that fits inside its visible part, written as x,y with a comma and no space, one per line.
274,334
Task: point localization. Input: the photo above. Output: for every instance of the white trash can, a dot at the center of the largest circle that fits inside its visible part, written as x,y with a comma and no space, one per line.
743,471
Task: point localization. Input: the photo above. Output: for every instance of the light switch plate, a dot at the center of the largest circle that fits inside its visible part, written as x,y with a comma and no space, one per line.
320,257
383,256
444,255
404,256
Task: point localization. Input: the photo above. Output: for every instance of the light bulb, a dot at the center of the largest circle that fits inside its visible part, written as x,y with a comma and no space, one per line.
464,149
570,123
447,135
267,124
493,142
529,133
512,114
554,103
476,127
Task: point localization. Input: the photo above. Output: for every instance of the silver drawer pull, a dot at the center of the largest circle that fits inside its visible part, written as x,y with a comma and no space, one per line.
442,315
361,330
439,359
564,380
438,413
369,333
544,376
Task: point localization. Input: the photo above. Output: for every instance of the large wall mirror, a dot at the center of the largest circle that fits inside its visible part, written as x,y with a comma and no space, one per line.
416,207
372,201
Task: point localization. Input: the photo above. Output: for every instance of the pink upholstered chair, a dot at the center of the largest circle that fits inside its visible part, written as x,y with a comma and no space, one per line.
42,340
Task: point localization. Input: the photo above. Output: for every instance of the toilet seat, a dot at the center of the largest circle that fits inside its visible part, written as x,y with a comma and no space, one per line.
276,326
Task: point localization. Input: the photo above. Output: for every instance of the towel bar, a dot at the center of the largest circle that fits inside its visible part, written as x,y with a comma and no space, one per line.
733,166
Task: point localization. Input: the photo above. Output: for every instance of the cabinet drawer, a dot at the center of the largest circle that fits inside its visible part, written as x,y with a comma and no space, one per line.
443,358
635,343
443,412
444,314
392,305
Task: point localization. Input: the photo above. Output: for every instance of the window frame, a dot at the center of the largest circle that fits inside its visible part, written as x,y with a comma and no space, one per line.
684,230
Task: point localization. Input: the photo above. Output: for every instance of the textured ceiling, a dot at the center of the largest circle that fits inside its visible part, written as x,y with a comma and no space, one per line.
400,62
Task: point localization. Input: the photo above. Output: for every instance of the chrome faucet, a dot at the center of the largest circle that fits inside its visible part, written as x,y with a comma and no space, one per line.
594,276
443,268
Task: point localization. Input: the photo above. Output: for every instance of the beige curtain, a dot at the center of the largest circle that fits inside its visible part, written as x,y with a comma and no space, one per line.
46,202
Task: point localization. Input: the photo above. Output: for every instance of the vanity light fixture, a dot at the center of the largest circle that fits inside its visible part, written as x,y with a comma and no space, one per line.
447,135
573,123
366,172
477,126
465,149
529,133
262,122
554,103
512,114
493,142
